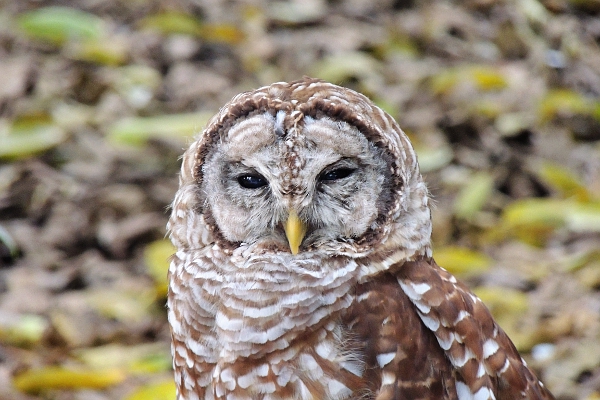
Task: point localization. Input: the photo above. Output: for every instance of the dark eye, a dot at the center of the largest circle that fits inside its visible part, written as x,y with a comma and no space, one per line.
336,174
251,181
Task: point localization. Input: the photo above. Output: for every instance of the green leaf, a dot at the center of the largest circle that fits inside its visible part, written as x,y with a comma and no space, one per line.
533,220
9,242
473,196
433,158
28,137
511,123
137,130
534,11
123,305
56,25
23,329
584,217
136,83
340,67
292,12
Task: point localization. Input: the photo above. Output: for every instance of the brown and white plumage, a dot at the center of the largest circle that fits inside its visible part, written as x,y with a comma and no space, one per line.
303,266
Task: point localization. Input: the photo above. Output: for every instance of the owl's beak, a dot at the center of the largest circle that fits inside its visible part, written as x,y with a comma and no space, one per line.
295,230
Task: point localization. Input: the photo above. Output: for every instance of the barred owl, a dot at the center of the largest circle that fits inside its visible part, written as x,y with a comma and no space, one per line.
304,268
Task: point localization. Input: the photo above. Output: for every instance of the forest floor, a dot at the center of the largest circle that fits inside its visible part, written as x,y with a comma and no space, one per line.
98,99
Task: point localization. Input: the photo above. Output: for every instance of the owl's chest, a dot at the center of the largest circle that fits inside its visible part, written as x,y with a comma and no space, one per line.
264,307
265,333
264,337
322,364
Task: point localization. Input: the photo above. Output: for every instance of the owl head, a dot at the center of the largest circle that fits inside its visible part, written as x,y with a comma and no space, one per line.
303,167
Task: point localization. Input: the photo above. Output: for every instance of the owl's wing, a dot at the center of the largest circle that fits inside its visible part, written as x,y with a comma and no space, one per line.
402,357
487,363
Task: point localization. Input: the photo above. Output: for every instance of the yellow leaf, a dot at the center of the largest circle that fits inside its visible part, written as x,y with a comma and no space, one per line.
508,307
181,23
156,391
487,108
103,52
567,102
172,22
141,358
484,78
593,396
157,255
563,181
221,33
502,301
459,260
533,220
400,44
61,378
536,211
488,78
445,81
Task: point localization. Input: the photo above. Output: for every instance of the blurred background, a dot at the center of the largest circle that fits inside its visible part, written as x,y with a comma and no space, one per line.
99,98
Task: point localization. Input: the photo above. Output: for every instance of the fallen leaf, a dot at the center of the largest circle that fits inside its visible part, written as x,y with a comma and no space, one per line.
460,260
563,102
36,380
137,130
56,24
157,255
473,196
155,391
24,140
141,358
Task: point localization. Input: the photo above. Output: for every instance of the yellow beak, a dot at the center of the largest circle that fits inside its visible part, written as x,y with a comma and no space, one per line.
294,231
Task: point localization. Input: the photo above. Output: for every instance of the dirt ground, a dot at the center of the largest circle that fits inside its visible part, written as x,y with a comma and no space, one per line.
98,99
